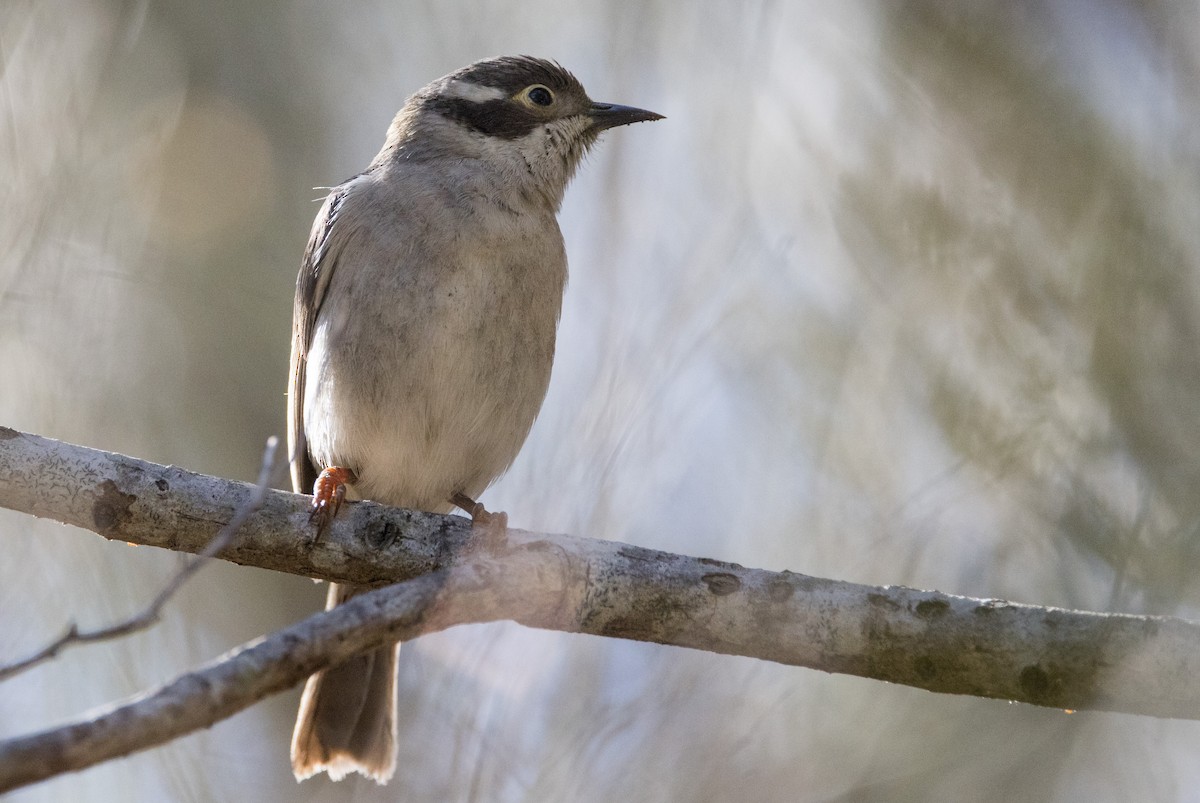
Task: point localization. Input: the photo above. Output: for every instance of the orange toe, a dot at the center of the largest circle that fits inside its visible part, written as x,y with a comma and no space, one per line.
329,491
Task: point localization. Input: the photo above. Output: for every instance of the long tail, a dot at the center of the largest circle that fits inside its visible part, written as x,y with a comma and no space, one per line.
347,718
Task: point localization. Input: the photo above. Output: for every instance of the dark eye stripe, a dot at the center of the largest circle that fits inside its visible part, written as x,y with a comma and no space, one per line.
496,118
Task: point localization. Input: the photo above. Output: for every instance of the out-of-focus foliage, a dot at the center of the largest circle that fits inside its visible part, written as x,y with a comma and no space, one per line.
898,293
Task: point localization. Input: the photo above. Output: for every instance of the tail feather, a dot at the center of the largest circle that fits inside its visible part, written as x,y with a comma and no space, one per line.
347,718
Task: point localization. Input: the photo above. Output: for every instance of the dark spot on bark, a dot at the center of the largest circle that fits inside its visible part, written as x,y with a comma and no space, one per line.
780,590
932,608
111,509
635,553
382,537
721,583
162,485
722,563
7,434
925,668
1034,682
882,601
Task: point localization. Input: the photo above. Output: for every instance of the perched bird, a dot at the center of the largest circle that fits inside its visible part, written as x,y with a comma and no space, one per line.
423,334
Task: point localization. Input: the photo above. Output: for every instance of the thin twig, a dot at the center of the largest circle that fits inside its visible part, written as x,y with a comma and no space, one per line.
148,616
206,695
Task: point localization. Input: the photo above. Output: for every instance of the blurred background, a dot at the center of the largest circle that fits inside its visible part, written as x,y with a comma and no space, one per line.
900,292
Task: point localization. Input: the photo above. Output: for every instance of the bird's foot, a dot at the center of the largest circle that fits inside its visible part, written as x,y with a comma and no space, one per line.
491,528
329,491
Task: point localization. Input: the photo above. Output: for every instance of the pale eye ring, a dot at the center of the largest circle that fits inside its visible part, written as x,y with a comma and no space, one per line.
539,95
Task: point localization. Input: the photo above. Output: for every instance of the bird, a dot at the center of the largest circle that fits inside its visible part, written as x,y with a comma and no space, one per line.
423,335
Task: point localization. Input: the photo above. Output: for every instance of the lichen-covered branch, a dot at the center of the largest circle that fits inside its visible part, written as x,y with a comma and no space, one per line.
943,643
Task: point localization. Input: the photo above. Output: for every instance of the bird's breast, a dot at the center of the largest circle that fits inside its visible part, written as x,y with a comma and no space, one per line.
428,380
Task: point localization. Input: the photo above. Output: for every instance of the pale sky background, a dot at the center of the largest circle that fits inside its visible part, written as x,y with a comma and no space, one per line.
898,293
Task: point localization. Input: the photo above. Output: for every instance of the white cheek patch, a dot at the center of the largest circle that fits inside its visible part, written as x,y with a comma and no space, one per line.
476,93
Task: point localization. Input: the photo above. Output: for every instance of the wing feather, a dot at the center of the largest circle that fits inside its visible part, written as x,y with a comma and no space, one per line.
316,269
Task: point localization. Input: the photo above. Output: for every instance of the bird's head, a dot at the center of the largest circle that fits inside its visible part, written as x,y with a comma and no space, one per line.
526,118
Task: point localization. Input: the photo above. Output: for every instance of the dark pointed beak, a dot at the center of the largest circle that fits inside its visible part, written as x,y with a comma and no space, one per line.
610,115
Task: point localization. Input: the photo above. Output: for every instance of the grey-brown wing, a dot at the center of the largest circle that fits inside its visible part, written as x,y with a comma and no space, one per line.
316,269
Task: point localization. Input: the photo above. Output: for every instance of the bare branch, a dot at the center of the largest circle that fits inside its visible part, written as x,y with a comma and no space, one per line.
149,615
943,643
207,695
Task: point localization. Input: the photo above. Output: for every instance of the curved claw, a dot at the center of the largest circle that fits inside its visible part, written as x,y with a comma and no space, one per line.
329,491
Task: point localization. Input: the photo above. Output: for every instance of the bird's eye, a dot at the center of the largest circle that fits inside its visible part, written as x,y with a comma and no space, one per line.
539,95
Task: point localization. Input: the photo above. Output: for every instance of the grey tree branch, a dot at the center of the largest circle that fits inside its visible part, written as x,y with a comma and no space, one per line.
149,615
938,642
